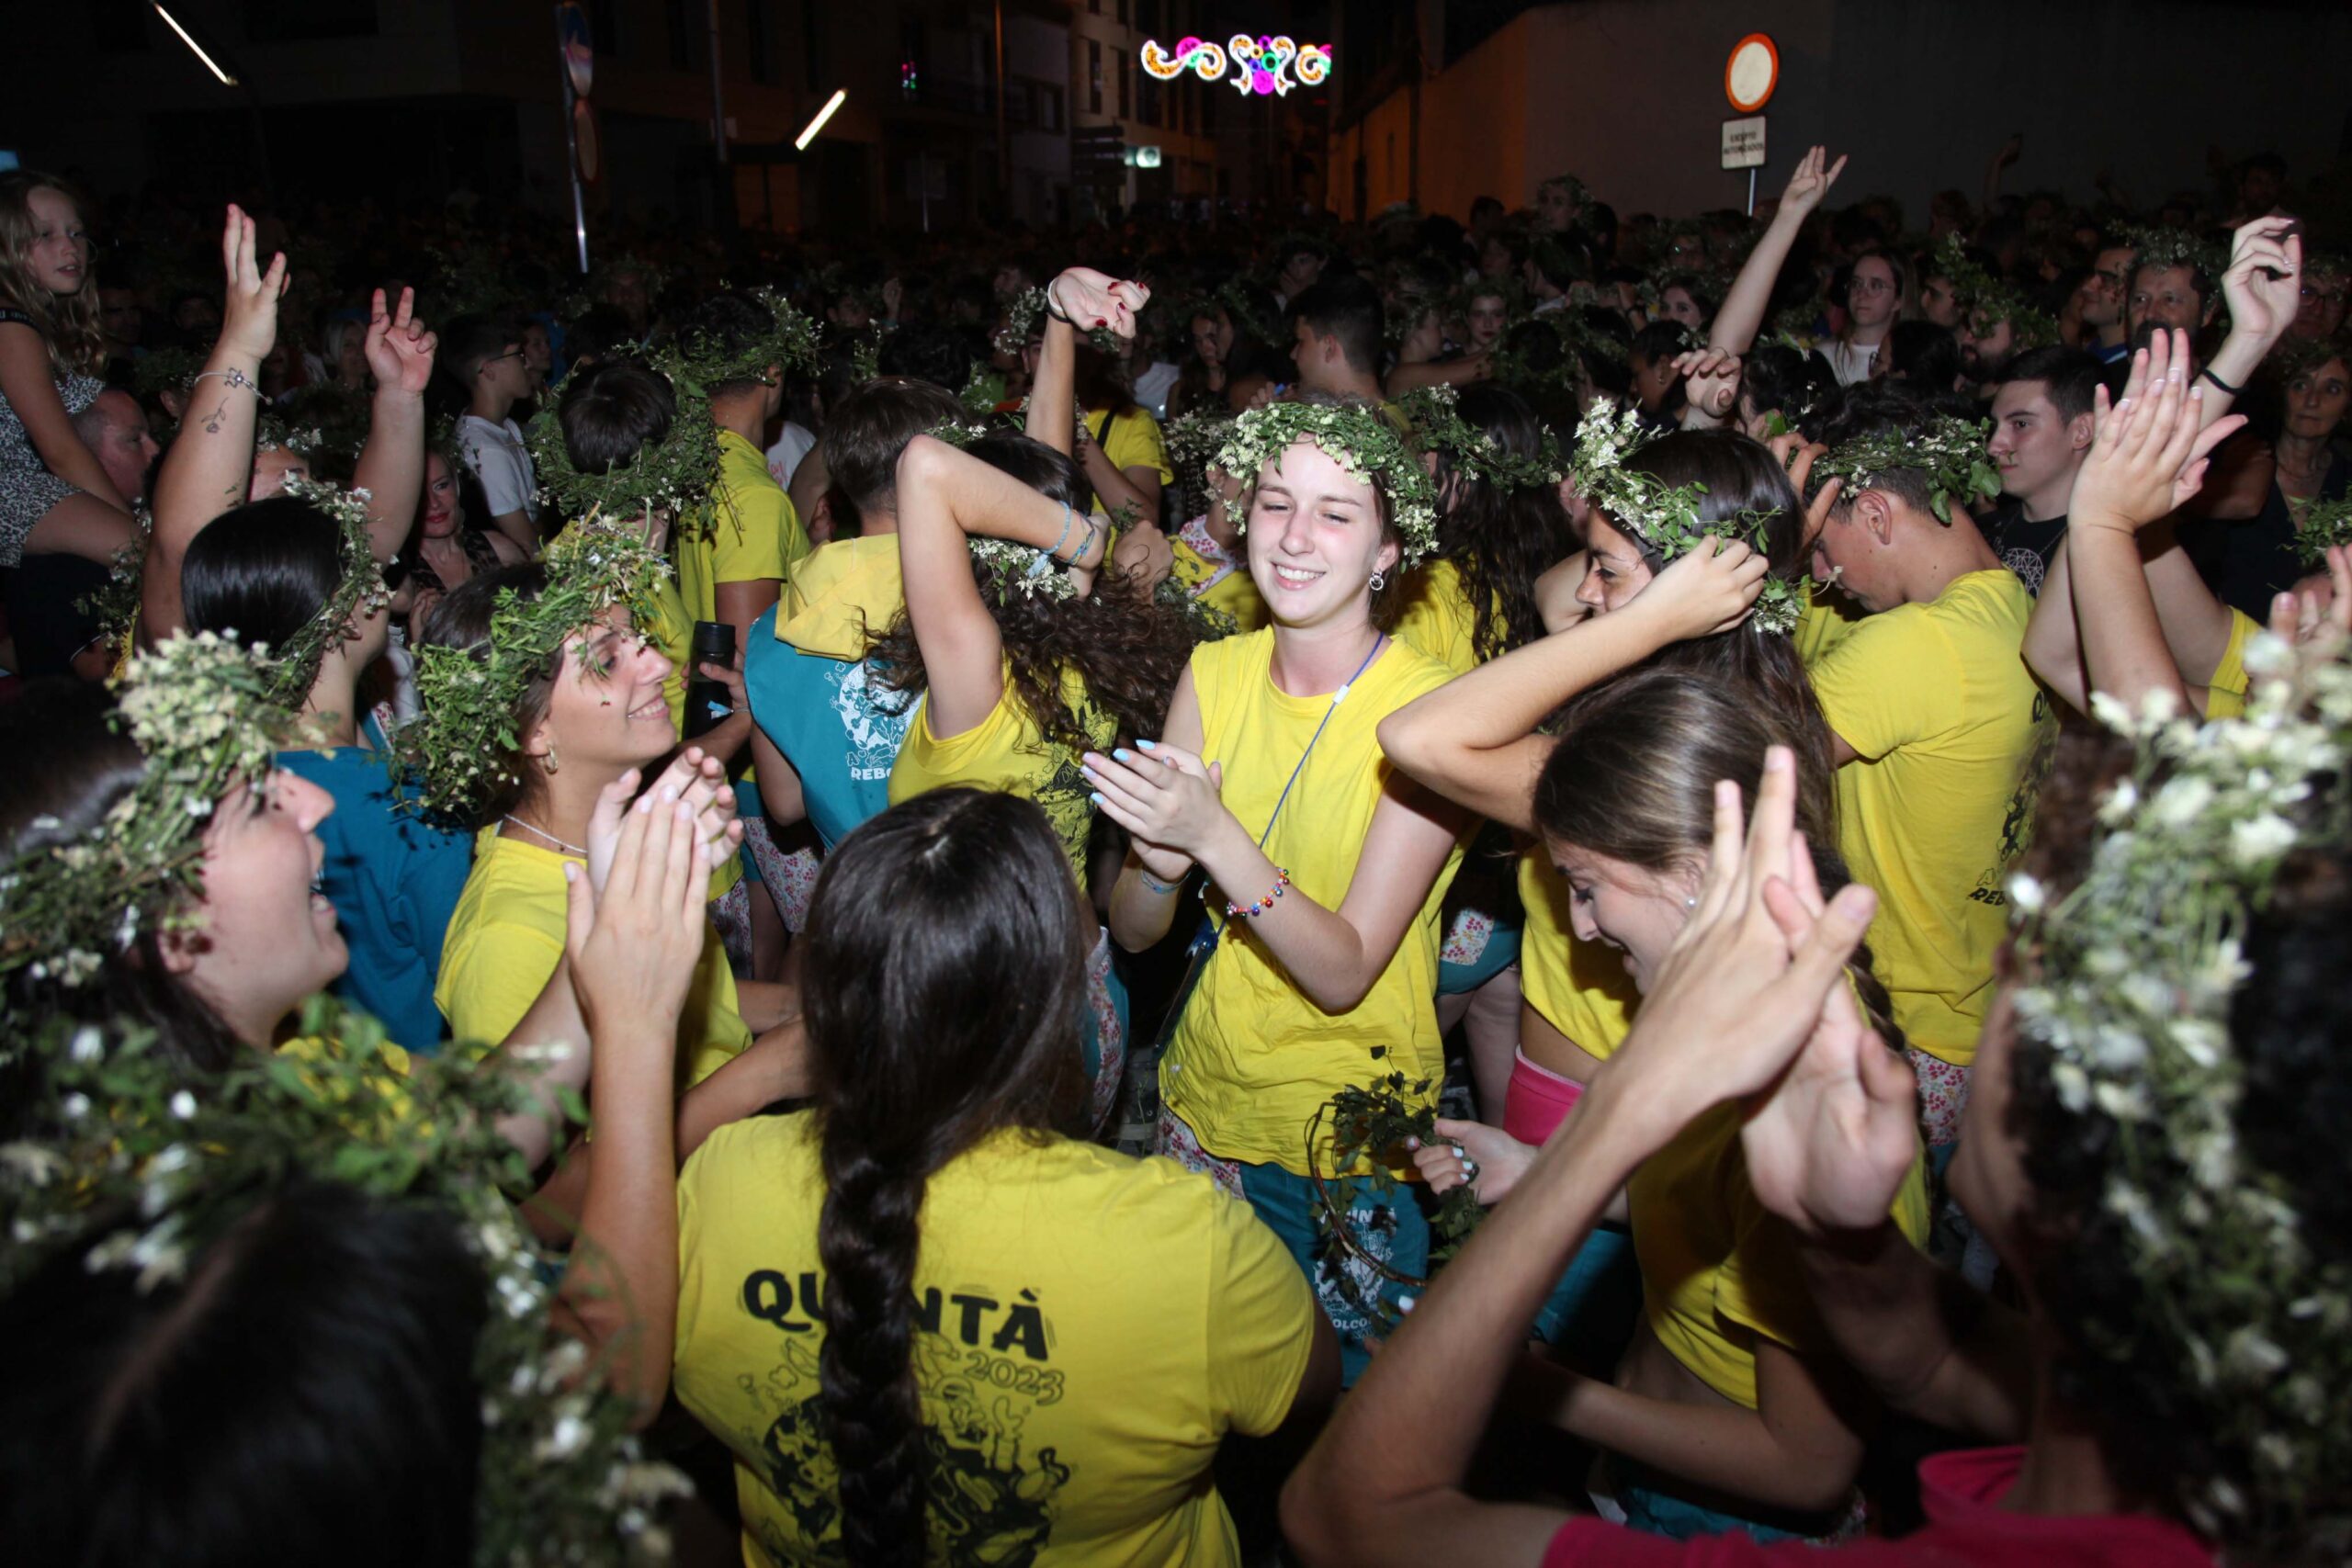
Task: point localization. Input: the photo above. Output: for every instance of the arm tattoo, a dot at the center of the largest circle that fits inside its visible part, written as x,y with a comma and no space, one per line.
212,421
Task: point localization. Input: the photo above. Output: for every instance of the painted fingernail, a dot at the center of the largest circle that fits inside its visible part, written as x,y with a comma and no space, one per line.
1149,744
1406,1303
1120,754
669,791
1096,798
644,804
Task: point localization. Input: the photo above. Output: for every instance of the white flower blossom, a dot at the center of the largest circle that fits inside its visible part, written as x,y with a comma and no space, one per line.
183,1105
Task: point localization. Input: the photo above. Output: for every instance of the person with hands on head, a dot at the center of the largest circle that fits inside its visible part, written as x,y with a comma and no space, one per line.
1727,1010
1939,731
1330,868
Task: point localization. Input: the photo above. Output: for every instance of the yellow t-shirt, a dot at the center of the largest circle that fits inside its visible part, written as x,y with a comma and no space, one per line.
1134,442
1089,1327
1437,616
1005,751
2226,691
1581,989
749,532
842,592
507,938
1824,622
1719,1274
389,1111
1952,732
1253,1058
1235,593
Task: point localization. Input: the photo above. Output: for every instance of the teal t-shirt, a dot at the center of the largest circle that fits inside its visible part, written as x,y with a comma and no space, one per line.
840,731
393,877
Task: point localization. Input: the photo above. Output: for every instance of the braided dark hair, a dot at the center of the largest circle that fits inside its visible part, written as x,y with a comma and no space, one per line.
946,983
1500,539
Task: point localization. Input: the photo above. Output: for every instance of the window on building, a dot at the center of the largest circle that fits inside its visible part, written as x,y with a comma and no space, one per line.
604,26
1148,18
1122,13
1148,98
289,21
1126,75
812,44
761,26
1049,107
120,26
679,20
1093,76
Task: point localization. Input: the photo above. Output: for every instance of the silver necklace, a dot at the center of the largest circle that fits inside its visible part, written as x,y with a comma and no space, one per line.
542,832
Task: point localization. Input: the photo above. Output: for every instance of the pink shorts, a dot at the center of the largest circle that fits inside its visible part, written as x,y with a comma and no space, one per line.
1537,1101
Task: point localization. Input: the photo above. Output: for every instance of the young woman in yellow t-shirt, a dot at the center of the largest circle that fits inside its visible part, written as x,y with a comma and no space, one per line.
912,1313
1023,659
1329,868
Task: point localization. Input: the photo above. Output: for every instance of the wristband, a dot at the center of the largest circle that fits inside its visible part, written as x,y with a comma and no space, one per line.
1252,911
2208,374
1055,553
1156,886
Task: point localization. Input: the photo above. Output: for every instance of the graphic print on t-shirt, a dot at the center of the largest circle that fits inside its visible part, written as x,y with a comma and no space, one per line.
875,719
982,1357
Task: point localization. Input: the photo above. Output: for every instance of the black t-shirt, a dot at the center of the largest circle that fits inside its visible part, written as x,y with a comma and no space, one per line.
2024,547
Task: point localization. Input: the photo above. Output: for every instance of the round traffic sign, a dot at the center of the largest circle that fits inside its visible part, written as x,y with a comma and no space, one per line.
1751,72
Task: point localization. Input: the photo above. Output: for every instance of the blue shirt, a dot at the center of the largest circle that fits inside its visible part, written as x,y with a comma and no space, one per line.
839,729
393,877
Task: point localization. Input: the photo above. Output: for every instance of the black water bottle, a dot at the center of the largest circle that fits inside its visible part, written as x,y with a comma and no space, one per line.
708,701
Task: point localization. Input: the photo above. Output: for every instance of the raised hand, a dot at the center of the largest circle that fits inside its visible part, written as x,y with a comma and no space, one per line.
1164,796
2265,279
633,943
1710,381
1808,183
2319,612
1145,554
398,347
1708,589
2149,455
1087,299
249,310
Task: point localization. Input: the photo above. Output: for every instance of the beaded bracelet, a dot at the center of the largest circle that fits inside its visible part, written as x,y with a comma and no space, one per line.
1252,911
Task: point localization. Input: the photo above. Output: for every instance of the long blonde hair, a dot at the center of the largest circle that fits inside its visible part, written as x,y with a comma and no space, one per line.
69,326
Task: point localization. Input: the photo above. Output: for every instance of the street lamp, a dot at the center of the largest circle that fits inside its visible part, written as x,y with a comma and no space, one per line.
253,98
809,133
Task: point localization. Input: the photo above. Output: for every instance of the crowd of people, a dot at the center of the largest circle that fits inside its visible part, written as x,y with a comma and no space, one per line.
1569,889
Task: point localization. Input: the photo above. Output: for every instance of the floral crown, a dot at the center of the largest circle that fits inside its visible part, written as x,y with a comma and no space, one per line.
1948,450
1235,299
360,587
1438,424
2162,247
1193,440
1985,296
272,434
1023,571
148,1170
1666,520
865,353
204,711
791,339
1022,314
1361,442
674,474
2131,978
453,748
1576,342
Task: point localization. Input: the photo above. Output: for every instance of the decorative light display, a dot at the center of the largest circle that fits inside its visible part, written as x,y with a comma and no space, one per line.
1262,65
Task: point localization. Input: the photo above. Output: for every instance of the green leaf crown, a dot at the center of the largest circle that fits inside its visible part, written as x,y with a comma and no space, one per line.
128,1158
676,474
469,696
791,339
359,589
1665,520
204,710
1950,451
1364,445
1436,418
2129,985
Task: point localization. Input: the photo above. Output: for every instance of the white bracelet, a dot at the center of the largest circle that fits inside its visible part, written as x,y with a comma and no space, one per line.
236,378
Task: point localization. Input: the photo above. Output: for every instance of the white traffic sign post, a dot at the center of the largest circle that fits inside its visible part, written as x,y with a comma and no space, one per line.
1749,76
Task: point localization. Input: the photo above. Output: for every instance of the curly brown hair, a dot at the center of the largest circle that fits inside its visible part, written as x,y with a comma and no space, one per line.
1126,647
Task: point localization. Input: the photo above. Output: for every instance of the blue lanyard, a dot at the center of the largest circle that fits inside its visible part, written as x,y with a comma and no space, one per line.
1213,929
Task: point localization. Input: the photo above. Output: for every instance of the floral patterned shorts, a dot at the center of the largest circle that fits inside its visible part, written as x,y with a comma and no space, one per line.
1943,1096
790,875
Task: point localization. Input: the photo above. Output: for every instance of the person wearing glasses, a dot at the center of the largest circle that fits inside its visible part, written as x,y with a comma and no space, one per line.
485,356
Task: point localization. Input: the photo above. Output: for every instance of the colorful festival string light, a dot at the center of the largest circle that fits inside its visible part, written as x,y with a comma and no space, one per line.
1264,66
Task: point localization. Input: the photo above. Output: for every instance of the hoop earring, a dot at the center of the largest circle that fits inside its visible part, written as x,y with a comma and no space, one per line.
549,762
1378,582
